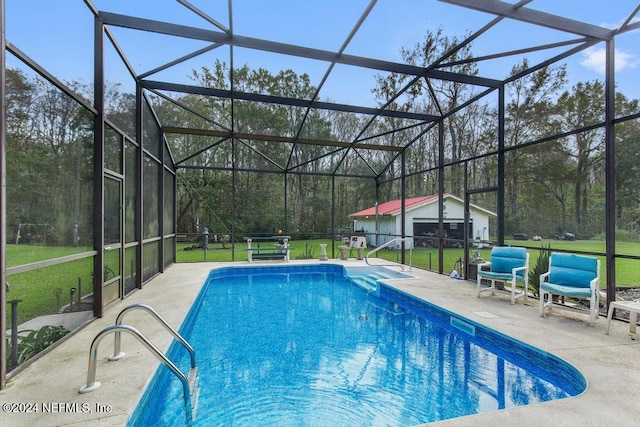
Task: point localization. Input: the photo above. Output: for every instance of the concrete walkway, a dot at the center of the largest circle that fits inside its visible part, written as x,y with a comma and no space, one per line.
50,384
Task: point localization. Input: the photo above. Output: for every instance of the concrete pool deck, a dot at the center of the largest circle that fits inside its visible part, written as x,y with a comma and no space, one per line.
611,363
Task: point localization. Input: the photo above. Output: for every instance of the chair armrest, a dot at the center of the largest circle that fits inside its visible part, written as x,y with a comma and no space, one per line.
544,276
484,264
515,269
595,284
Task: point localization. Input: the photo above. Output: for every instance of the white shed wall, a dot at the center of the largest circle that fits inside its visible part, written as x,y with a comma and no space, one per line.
390,226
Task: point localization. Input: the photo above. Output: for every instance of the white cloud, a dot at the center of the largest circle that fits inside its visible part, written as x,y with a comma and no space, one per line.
594,59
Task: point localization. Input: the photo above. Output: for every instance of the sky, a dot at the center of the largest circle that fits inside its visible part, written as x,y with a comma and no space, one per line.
59,36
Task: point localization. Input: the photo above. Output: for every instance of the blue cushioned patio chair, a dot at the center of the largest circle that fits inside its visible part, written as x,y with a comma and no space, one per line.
508,264
574,276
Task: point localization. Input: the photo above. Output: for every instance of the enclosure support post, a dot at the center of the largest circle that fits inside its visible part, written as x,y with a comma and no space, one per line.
139,185
14,331
161,193
403,194
234,213
3,208
333,215
98,166
467,216
610,165
440,196
377,197
500,196
286,200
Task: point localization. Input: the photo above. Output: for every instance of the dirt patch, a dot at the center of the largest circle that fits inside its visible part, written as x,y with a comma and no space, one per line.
622,294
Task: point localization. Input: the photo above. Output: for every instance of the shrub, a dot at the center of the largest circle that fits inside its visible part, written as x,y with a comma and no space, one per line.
621,236
308,253
32,342
541,267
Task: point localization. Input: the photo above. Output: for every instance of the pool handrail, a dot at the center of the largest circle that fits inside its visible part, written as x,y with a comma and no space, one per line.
397,239
189,382
118,354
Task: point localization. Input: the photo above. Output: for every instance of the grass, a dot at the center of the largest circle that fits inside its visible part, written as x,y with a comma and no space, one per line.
628,273
27,254
45,290
301,249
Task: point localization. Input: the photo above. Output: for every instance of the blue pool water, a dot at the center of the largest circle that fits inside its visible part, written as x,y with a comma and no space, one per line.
305,345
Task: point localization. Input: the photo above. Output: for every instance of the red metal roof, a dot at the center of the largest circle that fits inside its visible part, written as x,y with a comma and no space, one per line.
393,207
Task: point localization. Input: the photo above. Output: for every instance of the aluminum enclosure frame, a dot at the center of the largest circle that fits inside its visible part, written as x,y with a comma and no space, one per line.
588,35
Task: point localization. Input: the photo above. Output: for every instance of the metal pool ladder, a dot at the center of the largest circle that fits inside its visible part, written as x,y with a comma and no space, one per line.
389,243
189,381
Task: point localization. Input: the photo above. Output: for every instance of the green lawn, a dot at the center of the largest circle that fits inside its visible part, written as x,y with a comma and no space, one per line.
300,249
27,254
628,271
45,290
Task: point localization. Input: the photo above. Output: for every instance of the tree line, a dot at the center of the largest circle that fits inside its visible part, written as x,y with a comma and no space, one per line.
554,173
251,186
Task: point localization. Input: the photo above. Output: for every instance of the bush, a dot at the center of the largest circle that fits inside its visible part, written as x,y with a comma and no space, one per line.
621,236
32,342
541,267
308,253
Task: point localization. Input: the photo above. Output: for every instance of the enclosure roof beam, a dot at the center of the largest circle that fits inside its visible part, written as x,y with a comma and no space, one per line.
203,15
179,60
531,16
277,138
516,52
468,40
202,150
292,172
281,100
189,109
315,96
553,60
160,27
49,77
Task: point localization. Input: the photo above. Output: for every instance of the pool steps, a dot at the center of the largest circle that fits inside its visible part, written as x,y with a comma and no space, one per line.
367,283
190,387
366,279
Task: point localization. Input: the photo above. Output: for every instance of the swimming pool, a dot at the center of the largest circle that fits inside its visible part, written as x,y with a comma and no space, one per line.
306,345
